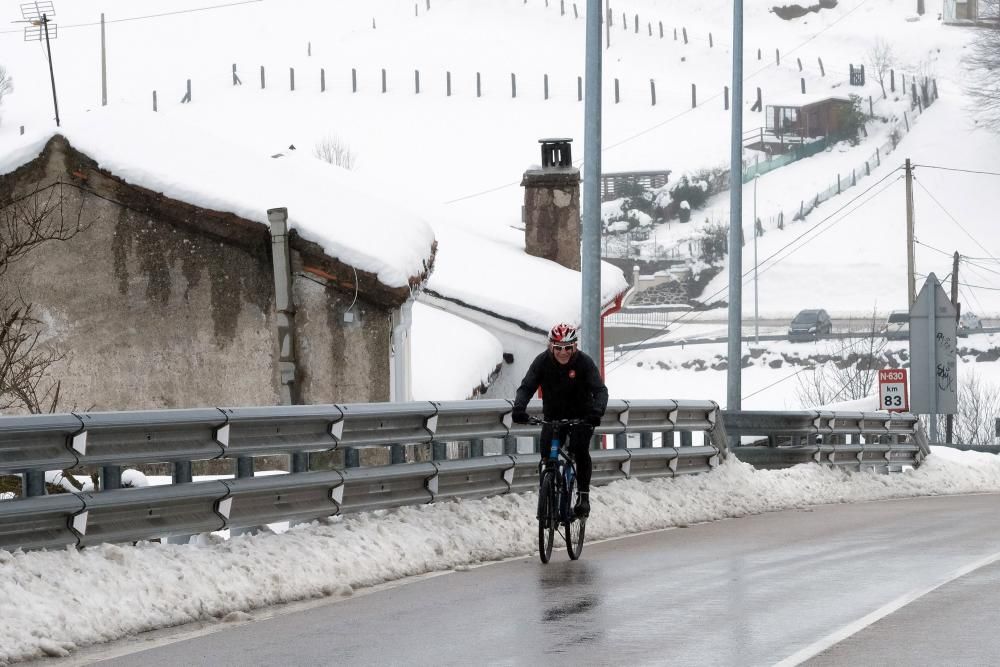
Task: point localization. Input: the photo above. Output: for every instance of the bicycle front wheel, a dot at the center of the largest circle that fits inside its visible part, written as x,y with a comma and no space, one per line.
576,527
546,520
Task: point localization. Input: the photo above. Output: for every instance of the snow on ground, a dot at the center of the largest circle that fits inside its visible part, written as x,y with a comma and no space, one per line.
51,602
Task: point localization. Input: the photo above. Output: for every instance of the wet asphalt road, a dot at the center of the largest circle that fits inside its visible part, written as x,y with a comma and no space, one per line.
749,591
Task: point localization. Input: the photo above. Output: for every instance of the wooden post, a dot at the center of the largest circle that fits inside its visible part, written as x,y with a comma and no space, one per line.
579,89
694,96
617,97
576,14
892,81
822,70
187,95
661,29
758,54
154,100
322,80
802,81
354,80
868,169
479,85
545,85
383,80
562,7
650,26
448,83
236,79
513,85
711,45
416,82
262,77
777,57
871,107
725,98
799,60
291,77
637,24
675,34
309,49
685,31
652,91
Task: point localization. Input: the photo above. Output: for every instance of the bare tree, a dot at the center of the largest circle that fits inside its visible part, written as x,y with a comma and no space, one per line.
26,222
334,150
6,83
881,60
983,60
978,409
846,379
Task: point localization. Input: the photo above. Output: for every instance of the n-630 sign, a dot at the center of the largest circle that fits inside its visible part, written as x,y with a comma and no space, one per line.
892,390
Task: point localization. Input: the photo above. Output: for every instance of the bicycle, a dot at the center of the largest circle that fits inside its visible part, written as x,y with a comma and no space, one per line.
557,494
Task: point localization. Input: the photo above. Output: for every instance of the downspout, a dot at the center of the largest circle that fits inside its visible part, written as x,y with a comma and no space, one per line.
402,382
283,307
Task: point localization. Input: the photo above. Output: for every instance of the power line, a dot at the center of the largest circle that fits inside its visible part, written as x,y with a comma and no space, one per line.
946,212
149,16
964,171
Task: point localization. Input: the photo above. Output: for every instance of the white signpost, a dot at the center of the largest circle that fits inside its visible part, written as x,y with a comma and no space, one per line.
892,392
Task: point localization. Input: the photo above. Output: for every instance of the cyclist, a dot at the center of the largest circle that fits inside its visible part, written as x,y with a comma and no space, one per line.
572,388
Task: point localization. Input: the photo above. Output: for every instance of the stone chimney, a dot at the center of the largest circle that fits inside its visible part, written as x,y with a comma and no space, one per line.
552,206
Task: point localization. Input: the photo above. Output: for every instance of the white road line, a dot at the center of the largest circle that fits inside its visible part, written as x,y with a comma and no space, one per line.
840,635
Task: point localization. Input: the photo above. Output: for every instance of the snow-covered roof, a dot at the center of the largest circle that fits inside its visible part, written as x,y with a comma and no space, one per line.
326,204
804,100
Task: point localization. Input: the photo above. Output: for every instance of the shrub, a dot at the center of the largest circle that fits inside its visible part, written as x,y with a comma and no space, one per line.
334,150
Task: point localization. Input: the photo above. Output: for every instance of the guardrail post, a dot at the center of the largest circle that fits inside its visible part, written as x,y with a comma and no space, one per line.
772,441
111,477
351,457
685,438
510,445
475,448
667,439
397,454
439,451
182,472
32,484
646,440
621,441
244,467
299,462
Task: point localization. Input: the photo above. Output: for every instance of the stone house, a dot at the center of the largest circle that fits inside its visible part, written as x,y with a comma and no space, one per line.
181,288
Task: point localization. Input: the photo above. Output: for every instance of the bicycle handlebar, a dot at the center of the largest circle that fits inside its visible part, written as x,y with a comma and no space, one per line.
556,422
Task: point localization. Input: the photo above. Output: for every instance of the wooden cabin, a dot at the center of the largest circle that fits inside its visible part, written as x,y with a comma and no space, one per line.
794,121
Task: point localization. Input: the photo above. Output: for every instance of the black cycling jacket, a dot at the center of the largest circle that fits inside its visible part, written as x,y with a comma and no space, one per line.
573,391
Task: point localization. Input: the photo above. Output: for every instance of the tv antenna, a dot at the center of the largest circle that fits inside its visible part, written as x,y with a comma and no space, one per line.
38,15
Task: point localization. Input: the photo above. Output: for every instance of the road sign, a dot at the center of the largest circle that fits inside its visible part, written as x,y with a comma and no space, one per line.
892,393
933,351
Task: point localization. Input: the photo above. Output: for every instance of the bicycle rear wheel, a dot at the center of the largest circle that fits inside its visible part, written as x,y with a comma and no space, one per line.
576,527
546,520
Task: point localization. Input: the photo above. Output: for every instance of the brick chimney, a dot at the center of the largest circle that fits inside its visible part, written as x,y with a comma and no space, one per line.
552,206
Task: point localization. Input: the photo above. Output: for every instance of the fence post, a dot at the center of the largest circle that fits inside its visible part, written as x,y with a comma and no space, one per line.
799,60
892,81
236,79
262,77
617,98
637,24
758,54
871,107
661,29
383,80
710,43
354,80
685,31
777,57
479,85
675,34
868,169
802,81
725,97
309,49
291,78
187,95
154,100
694,96
822,70
448,84
576,14
322,80
562,7
838,184
545,84
652,91
579,89
878,158
907,121
513,85
416,82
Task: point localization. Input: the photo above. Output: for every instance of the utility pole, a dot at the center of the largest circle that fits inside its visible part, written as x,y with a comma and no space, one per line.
104,67
590,264
911,288
607,22
950,418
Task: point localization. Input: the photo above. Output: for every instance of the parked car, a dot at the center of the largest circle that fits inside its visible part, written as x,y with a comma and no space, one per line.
897,325
810,325
968,323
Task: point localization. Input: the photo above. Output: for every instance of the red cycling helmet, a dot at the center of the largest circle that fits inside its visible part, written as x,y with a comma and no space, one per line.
564,334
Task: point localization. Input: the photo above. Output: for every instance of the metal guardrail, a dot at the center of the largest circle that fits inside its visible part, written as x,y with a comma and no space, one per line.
46,442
